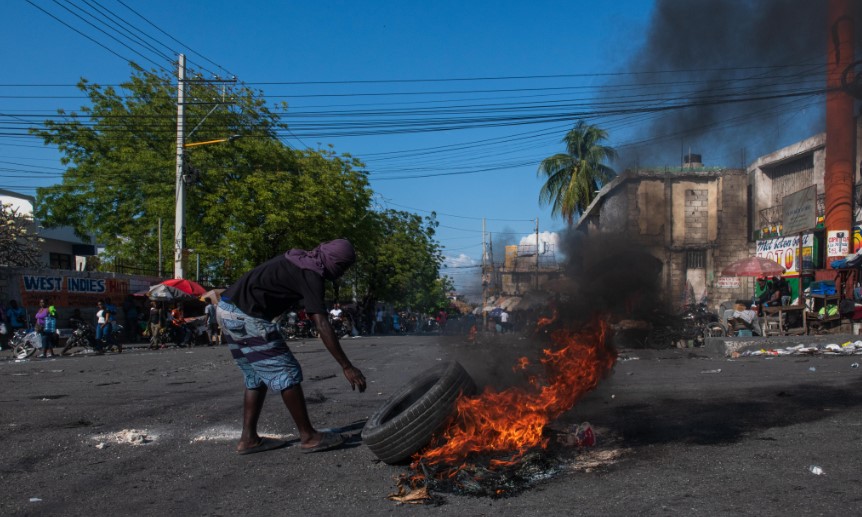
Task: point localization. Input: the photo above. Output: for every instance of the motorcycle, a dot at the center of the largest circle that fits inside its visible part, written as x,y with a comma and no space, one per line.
694,323
84,337
24,343
300,329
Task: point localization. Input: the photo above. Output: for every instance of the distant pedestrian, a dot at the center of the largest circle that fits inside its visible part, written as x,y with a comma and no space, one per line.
154,323
377,327
42,331
16,317
212,323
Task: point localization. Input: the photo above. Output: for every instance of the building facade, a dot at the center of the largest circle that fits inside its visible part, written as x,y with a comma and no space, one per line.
694,219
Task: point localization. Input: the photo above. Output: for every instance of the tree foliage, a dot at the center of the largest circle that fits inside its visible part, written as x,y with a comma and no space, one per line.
247,200
19,241
401,261
574,177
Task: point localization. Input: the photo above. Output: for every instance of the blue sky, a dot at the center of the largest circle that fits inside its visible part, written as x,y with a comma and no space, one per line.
432,59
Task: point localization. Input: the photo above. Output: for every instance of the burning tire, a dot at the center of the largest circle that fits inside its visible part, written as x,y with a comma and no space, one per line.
405,422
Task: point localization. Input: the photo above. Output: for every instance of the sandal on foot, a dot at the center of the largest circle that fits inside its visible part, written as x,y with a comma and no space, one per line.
266,444
327,442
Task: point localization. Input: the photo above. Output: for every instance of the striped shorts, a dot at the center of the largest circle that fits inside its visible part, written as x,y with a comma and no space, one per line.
258,349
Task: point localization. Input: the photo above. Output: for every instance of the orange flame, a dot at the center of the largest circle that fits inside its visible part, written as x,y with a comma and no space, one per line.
511,421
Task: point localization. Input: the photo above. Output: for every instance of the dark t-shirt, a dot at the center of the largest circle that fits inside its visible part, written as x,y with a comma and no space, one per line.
274,287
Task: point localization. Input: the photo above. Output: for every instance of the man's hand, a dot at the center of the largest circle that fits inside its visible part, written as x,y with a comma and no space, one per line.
355,378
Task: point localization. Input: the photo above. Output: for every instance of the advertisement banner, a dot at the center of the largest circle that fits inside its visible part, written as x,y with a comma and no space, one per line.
800,211
785,250
837,243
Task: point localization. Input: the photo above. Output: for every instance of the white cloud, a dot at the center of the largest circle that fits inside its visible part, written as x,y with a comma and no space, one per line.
461,260
548,241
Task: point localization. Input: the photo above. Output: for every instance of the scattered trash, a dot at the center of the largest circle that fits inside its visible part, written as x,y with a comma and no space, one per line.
816,470
406,496
854,365
717,370
578,436
101,445
812,369
35,500
125,437
592,459
848,348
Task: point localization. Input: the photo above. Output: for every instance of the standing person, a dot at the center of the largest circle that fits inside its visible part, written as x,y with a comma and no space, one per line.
245,315
155,324
104,328
378,322
5,328
178,320
41,315
16,317
212,323
130,316
504,320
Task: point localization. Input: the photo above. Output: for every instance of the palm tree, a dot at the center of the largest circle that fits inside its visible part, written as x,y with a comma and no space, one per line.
576,175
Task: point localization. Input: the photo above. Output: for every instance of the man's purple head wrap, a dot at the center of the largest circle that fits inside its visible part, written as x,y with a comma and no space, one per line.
330,259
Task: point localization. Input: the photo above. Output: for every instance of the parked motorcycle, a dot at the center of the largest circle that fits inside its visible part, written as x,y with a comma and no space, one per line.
298,329
84,337
24,343
694,323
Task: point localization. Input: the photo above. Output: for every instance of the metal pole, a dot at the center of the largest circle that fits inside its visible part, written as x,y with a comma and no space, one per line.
537,254
180,222
160,247
484,285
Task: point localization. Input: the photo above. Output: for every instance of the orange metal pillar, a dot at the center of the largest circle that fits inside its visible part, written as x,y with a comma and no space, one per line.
840,132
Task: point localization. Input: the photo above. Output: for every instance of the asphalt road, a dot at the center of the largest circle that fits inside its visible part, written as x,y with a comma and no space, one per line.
680,432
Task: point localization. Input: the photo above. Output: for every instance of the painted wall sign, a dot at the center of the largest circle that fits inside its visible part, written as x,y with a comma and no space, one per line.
67,291
727,282
799,211
784,250
837,243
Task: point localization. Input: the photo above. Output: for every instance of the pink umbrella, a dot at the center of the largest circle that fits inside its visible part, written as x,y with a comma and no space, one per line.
753,266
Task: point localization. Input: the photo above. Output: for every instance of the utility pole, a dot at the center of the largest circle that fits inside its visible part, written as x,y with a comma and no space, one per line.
160,247
180,221
484,283
537,254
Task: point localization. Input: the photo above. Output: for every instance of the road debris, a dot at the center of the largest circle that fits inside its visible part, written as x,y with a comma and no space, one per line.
848,348
717,370
816,470
125,437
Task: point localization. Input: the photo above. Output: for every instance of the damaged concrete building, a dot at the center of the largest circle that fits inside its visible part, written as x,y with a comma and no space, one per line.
694,219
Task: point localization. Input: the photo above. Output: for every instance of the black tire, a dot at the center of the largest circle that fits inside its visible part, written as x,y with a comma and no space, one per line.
714,329
406,422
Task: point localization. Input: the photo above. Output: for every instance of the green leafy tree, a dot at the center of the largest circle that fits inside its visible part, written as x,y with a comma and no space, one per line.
246,200
400,262
574,177
19,241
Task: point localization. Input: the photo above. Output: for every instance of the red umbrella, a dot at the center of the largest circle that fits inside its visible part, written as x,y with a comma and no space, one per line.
753,266
186,286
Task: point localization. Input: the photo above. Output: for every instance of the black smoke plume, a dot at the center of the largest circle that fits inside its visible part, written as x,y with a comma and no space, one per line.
742,66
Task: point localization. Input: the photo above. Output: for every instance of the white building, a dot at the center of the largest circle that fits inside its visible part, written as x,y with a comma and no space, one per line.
61,248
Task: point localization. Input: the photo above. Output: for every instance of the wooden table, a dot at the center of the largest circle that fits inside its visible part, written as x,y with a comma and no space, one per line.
779,314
